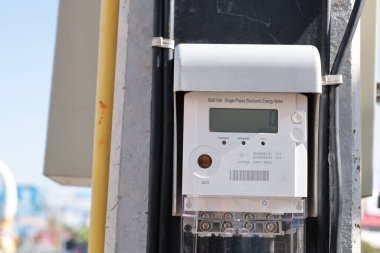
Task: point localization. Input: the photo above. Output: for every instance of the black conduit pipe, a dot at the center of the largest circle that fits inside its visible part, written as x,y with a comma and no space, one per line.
347,37
166,236
336,174
155,135
163,234
323,136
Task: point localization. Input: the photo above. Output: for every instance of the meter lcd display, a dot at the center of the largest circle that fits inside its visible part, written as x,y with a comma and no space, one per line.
243,120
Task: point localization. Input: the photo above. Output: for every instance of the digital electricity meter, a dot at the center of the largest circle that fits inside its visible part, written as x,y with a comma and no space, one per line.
244,145
242,154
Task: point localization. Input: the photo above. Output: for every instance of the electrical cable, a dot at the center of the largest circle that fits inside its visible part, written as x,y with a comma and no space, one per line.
166,235
162,234
336,173
326,36
323,136
155,135
335,153
347,37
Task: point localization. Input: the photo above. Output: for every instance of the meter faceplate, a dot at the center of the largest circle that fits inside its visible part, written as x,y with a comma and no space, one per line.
253,165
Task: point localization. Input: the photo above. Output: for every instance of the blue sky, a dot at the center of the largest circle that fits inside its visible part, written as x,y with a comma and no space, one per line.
27,38
27,41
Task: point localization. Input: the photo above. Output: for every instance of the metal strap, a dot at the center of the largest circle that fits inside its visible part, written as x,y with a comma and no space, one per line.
332,80
162,42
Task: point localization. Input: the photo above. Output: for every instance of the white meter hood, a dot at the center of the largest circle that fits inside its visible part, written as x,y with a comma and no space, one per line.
247,68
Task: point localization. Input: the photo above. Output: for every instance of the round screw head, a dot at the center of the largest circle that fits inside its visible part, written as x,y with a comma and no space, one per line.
249,225
205,225
227,225
227,216
270,227
249,216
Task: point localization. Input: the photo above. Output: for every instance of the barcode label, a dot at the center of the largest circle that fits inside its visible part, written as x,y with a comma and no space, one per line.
249,175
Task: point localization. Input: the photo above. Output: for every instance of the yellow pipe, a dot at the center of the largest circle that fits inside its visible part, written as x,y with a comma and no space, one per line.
103,122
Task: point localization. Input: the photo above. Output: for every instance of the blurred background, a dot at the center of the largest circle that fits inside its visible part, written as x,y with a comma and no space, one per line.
370,210
51,217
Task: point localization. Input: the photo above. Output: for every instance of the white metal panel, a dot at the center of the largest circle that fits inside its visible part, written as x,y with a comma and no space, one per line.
68,158
367,92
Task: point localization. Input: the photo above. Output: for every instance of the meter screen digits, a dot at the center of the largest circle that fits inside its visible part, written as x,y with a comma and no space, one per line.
243,120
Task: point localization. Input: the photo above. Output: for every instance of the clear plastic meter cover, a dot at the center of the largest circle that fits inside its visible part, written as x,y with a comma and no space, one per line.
227,232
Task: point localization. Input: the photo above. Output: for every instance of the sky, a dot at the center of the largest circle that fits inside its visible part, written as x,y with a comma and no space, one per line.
27,40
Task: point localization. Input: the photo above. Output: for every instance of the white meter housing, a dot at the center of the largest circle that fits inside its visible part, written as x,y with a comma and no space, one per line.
244,152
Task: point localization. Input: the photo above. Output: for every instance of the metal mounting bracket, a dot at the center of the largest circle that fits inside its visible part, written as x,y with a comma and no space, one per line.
163,43
332,80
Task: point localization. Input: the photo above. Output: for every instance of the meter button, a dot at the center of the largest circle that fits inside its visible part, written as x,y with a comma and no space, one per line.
298,135
204,161
298,117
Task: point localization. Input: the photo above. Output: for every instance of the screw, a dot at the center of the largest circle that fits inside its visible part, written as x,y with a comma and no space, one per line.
270,217
205,225
249,225
227,216
227,225
270,226
205,215
249,216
